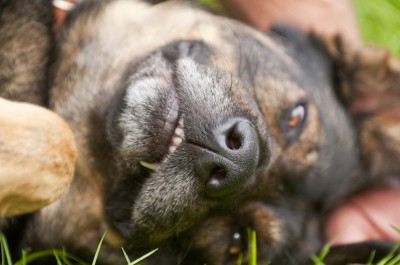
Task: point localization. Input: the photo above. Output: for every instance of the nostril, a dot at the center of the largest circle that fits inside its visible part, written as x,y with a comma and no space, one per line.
233,139
217,176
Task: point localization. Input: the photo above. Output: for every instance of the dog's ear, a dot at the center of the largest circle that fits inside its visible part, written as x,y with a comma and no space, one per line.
307,49
368,83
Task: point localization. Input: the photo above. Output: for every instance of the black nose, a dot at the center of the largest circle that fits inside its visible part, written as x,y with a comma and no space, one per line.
232,158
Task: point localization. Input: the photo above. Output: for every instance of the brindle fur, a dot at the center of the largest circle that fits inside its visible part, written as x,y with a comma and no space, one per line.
26,42
120,63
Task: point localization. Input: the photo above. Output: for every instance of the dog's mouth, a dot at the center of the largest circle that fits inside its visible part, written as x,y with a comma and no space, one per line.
171,134
178,136
188,154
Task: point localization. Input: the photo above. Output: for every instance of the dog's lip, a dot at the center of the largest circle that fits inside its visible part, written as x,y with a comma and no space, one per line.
176,139
173,127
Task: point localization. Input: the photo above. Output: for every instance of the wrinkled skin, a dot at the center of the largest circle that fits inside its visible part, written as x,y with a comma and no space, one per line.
245,126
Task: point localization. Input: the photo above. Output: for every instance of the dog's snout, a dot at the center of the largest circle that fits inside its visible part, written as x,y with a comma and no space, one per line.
233,158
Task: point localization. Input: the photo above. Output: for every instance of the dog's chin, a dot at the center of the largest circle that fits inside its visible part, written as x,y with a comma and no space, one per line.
170,201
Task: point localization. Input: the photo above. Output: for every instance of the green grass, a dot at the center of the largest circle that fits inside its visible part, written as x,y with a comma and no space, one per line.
251,235
379,22
139,259
61,256
319,259
64,258
391,259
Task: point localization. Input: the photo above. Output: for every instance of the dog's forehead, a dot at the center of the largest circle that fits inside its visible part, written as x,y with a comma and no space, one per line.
231,41
247,52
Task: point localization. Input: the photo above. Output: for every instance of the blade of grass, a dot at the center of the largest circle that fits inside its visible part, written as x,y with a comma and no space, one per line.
126,256
325,251
371,258
29,257
391,256
57,258
23,258
69,259
318,260
3,255
395,228
5,251
64,257
252,243
395,248
98,248
385,260
239,259
143,257
253,257
394,261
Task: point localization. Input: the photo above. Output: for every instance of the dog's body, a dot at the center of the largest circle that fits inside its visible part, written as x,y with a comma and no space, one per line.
245,126
23,76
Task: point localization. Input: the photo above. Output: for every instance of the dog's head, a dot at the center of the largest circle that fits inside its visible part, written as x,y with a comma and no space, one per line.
257,134
364,82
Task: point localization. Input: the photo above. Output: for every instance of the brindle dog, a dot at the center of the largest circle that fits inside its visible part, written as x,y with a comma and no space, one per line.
192,128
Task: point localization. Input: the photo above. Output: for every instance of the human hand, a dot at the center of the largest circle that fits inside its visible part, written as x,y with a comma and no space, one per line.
325,17
369,215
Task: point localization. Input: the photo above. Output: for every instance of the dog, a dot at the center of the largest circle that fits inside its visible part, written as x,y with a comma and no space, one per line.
191,128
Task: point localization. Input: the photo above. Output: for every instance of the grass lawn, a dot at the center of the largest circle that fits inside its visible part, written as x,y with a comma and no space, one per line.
379,22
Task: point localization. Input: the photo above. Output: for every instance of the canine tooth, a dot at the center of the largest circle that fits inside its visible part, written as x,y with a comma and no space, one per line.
152,166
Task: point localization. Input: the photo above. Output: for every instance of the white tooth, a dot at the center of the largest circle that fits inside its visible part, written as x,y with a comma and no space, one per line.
179,132
152,166
176,141
171,149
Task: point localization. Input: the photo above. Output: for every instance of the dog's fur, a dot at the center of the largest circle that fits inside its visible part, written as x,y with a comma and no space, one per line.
26,42
125,72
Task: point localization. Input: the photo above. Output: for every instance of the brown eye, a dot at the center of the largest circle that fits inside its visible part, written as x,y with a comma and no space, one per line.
292,122
297,116
237,246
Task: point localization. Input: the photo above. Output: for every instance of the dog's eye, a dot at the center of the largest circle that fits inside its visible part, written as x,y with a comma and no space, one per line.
292,121
237,245
297,116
